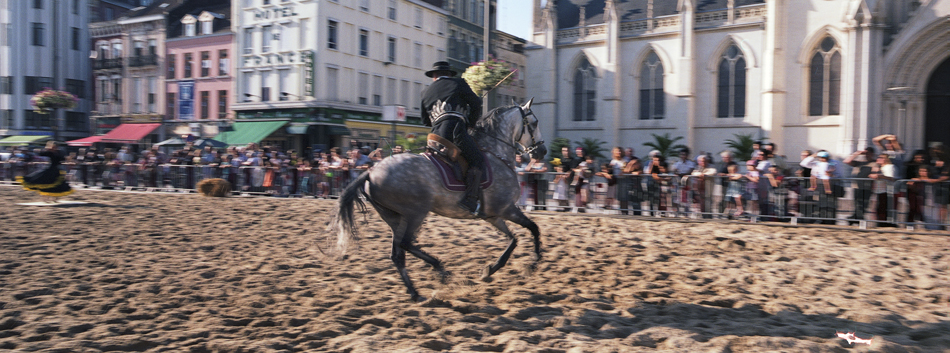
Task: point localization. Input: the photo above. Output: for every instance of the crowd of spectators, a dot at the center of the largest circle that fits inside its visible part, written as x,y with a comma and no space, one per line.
767,186
251,168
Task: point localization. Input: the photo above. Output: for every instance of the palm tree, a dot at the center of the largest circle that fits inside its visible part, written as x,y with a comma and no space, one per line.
592,147
665,144
555,147
741,146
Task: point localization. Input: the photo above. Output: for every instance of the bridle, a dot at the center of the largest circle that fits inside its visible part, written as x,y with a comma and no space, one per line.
525,128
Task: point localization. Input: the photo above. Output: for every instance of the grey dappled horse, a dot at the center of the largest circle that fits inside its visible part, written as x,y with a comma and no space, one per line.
404,188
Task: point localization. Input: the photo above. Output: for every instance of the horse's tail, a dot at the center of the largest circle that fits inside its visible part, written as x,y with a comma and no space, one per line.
343,223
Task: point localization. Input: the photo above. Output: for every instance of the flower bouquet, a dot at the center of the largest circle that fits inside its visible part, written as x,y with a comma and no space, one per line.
483,76
48,99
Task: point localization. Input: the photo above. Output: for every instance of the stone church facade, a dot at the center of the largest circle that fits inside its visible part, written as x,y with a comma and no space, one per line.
804,74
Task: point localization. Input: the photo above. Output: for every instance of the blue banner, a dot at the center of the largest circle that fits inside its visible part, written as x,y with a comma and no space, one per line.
186,100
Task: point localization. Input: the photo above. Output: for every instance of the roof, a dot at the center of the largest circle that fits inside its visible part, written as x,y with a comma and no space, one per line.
568,11
245,132
128,133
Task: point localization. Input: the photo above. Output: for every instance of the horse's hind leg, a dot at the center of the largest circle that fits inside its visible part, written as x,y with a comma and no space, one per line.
499,224
404,228
518,217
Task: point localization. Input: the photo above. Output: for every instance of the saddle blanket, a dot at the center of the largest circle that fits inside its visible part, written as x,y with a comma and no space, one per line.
449,181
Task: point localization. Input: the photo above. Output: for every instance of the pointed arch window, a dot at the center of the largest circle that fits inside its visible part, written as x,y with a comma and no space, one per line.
730,101
652,100
824,79
585,92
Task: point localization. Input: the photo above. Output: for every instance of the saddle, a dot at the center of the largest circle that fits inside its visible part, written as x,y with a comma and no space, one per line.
447,158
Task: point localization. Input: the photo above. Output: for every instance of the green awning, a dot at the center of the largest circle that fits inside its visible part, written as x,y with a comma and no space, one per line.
24,140
246,132
297,129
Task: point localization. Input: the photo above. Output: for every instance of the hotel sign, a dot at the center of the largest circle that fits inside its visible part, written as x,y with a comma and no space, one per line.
308,72
275,13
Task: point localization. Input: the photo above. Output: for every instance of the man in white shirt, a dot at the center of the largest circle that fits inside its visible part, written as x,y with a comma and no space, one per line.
824,171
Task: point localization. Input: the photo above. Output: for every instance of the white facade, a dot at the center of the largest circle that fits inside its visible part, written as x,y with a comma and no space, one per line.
345,54
32,39
884,53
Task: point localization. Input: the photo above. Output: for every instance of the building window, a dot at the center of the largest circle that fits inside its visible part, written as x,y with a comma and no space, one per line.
33,84
205,63
76,87
170,106
38,33
824,82
392,10
222,104
153,47
652,100
391,49
75,39
248,41
37,4
265,86
103,85
75,4
76,121
150,96
364,42
136,95
418,17
116,50
404,87
223,62
731,84
188,65
189,30
6,85
205,101
417,54
170,62
331,34
363,89
116,89
364,5
6,119
377,90
332,73
207,27
585,92
139,48
265,39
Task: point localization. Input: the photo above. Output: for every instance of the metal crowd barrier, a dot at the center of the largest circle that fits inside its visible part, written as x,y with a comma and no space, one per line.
855,201
258,180
795,200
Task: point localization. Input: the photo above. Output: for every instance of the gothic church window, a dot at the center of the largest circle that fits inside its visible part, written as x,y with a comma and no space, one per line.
652,100
585,92
730,101
824,81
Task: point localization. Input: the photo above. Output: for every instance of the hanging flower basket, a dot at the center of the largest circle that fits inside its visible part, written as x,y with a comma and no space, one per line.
47,100
485,75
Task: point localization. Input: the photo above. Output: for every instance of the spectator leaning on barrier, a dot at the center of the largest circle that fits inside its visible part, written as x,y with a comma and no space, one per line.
914,189
882,172
861,160
722,170
630,187
941,167
823,170
537,182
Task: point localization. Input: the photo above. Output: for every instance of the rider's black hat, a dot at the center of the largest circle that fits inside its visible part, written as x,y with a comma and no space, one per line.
441,66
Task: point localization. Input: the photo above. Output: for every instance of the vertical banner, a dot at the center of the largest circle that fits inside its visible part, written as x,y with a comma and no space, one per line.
186,100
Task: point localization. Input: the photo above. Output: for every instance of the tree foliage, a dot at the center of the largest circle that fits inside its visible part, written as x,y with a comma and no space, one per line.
593,147
741,146
665,144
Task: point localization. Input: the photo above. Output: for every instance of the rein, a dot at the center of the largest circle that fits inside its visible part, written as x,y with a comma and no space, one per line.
520,149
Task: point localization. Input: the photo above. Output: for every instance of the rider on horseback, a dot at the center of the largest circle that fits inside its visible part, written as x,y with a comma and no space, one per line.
449,106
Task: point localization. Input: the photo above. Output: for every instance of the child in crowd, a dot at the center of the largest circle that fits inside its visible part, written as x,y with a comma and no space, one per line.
752,175
560,187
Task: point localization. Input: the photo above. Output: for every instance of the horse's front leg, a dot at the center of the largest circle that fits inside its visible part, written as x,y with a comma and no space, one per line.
499,224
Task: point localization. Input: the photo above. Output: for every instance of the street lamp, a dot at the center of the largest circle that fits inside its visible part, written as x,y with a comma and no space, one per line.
247,97
283,95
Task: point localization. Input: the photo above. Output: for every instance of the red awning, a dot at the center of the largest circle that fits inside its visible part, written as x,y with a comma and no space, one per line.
129,133
85,142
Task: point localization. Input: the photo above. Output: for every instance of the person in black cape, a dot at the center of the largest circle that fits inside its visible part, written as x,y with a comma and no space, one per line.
463,108
49,182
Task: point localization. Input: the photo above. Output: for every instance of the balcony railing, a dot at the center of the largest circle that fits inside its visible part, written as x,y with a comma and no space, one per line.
102,64
144,60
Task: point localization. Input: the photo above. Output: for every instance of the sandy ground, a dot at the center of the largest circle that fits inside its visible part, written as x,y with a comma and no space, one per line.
184,273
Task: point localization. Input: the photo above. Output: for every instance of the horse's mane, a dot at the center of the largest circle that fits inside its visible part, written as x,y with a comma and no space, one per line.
491,120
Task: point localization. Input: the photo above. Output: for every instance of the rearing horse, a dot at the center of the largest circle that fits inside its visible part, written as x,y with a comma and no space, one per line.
404,188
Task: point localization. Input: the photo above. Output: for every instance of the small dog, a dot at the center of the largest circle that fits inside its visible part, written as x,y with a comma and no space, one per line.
214,187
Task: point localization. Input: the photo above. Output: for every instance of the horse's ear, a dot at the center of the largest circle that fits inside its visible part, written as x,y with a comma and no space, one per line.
527,106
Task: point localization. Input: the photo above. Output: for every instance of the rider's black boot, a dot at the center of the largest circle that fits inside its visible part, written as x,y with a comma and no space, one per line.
470,200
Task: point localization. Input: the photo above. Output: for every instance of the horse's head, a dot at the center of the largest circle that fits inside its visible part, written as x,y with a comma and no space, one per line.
530,138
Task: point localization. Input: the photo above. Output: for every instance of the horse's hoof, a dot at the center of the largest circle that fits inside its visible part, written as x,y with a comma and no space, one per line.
418,298
486,274
529,269
444,276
